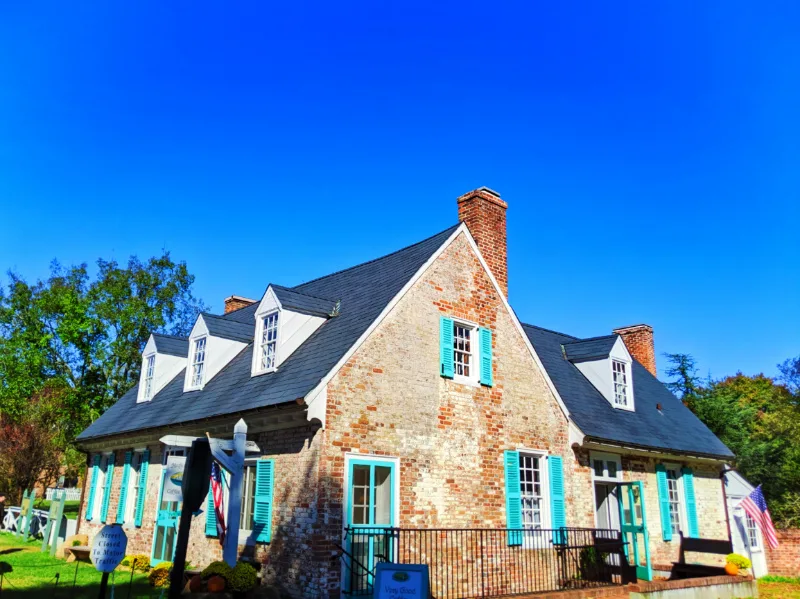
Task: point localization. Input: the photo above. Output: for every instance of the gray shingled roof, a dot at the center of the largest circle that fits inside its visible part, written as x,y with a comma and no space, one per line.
301,302
219,326
673,428
173,346
364,291
595,348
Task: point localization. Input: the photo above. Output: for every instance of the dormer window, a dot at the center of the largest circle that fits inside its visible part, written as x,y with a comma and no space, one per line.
269,342
620,376
198,362
150,368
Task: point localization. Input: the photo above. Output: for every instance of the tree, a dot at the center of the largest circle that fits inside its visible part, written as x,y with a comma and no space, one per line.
684,372
84,335
790,375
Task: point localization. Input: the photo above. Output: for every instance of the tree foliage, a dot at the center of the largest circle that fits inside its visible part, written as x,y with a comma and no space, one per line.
759,420
83,334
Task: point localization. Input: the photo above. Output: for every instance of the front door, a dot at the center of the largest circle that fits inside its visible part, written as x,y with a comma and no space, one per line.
169,513
370,512
633,524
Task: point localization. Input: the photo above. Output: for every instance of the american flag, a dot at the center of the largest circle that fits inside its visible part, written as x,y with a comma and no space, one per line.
756,506
219,501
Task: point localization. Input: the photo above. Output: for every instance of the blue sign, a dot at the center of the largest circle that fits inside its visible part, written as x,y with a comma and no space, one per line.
393,581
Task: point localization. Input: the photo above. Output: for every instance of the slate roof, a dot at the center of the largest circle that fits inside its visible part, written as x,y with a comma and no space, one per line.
673,428
364,291
219,326
595,348
173,346
302,302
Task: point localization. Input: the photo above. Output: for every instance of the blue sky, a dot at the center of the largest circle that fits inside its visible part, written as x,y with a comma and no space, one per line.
649,153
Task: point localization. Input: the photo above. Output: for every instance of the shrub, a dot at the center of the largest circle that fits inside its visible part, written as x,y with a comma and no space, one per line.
137,562
76,543
159,575
738,560
217,569
243,577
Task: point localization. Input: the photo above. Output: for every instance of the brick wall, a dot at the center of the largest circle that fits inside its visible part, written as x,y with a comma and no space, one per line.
785,560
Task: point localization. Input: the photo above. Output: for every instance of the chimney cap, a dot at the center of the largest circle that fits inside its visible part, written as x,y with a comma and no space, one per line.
633,327
483,192
240,298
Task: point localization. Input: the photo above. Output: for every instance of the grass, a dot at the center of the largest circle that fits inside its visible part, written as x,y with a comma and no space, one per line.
70,507
30,574
778,587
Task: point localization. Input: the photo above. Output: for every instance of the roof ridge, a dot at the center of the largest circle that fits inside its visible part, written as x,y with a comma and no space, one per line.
293,290
408,247
222,317
533,326
578,340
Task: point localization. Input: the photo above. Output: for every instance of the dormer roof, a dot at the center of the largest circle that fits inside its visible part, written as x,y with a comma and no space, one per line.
170,345
219,326
304,303
595,348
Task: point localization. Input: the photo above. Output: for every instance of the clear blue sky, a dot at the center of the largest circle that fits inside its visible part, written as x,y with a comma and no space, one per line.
649,154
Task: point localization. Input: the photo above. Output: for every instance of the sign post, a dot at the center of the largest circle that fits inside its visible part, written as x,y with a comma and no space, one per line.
108,550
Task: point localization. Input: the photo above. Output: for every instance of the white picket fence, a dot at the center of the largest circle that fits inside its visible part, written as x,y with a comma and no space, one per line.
73,494
38,520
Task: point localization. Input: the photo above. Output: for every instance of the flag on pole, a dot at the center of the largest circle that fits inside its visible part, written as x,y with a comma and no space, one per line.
219,500
756,506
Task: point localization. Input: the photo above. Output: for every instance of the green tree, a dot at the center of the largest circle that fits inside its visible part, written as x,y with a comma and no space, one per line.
84,334
683,372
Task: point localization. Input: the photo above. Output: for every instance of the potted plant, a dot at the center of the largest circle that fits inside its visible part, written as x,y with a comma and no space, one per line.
735,563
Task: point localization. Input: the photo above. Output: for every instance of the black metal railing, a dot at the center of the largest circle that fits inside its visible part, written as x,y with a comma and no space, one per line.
467,563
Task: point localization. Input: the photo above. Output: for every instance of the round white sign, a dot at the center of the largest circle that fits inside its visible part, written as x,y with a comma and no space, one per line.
108,548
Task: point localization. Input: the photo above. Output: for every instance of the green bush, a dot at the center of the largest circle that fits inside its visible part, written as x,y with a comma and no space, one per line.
738,560
159,575
137,562
243,577
76,543
217,569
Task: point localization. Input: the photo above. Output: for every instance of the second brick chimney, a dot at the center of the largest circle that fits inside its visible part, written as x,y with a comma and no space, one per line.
638,339
236,302
485,215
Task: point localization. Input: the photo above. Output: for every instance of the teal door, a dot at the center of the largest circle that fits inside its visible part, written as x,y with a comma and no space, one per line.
633,524
165,534
370,512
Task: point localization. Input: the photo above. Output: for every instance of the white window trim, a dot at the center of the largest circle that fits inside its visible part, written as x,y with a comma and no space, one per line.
100,487
628,386
606,457
245,534
130,497
473,380
681,497
540,541
190,365
741,516
260,318
145,395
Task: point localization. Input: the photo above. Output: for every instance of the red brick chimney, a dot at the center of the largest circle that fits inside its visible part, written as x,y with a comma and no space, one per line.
235,302
638,339
485,215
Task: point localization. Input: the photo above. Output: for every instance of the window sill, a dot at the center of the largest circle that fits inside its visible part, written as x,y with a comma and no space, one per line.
461,380
267,371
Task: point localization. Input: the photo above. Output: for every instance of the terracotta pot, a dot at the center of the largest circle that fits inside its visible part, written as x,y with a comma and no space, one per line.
732,569
216,584
196,584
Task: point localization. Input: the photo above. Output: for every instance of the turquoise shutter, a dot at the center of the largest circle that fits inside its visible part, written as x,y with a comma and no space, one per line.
92,487
107,490
211,515
262,515
486,356
513,497
143,465
123,491
691,505
663,501
446,346
558,507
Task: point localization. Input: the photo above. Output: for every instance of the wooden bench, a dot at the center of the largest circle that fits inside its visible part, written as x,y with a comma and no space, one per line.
681,569
80,553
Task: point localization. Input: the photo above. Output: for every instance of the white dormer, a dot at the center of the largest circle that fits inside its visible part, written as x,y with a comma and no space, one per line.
607,364
284,320
163,358
213,342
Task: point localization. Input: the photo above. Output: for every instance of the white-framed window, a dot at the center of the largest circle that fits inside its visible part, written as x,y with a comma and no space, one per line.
531,483
619,371
246,521
674,496
132,497
268,343
752,532
149,371
198,362
465,351
606,467
100,487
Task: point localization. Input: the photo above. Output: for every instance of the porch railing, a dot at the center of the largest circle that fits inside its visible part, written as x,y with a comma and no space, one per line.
467,563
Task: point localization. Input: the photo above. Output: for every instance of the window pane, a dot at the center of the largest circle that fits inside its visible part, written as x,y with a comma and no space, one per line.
598,468
531,491
612,469
383,495
674,500
361,494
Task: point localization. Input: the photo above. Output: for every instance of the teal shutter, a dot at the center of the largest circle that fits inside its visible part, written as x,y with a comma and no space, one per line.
486,356
143,465
691,505
513,497
446,346
558,506
211,515
107,490
663,501
123,491
92,487
262,514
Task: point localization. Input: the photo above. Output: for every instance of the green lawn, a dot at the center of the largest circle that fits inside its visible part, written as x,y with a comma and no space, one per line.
30,574
70,507
776,587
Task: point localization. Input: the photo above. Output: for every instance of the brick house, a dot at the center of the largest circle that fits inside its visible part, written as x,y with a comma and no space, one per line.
404,392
